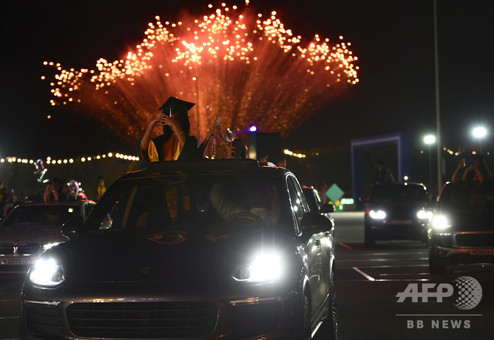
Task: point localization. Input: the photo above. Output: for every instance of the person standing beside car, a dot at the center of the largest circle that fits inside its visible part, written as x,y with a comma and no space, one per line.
100,188
5,198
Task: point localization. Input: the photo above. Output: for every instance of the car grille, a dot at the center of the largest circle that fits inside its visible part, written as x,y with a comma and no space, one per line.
142,319
43,319
23,249
250,320
475,239
6,249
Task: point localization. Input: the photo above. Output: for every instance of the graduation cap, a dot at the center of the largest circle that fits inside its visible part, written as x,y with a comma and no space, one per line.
175,104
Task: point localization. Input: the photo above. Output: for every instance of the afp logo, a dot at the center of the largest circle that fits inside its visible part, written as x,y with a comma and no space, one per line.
468,292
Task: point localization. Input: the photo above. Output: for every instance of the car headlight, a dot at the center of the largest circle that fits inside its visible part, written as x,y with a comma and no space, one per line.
50,245
262,267
440,222
46,271
423,214
377,214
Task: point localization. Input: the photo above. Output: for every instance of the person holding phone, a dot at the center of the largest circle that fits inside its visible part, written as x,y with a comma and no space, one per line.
175,143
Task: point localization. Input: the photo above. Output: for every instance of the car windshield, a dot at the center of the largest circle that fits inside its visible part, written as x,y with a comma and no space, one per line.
40,215
187,202
468,197
398,193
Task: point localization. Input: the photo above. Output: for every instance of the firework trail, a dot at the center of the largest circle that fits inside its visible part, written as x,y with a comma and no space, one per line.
247,68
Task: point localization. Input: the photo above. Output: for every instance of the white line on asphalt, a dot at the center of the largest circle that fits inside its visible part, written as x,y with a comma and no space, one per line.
370,278
344,245
372,260
367,276
389,280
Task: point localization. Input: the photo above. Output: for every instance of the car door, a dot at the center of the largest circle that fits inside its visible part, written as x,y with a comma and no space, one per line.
311,244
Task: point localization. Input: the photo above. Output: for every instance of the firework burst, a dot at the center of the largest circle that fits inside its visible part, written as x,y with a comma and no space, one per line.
247,68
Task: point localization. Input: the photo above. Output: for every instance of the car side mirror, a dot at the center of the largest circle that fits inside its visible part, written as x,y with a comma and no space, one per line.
315,223
73,227
326,208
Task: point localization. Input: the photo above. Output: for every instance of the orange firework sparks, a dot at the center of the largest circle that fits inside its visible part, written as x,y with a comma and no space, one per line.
247,68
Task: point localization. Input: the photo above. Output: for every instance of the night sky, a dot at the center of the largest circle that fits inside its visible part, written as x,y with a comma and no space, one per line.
393,39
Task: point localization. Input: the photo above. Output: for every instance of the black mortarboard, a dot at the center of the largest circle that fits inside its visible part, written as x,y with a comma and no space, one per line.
173,103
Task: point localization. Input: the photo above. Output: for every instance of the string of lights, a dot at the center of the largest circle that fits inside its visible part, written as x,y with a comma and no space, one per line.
63,161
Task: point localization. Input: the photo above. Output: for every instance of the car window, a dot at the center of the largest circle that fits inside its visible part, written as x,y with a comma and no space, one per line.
398,193
313,199
41,215
88,207
194,203
298,201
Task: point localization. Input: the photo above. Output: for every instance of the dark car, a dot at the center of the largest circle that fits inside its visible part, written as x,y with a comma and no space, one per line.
211,249
31,228
397,211
463,226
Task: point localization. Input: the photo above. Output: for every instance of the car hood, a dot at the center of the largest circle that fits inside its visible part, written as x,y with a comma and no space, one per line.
31,234
471,220
397,206
172,257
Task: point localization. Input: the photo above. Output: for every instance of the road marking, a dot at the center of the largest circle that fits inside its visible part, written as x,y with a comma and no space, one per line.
344,245
367,276
390,266
370,278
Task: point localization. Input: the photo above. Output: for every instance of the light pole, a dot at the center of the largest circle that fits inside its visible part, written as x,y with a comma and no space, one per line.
197,107
479,132
429,140
438,116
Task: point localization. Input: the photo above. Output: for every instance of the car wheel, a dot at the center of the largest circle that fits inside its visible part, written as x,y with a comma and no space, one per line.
369,238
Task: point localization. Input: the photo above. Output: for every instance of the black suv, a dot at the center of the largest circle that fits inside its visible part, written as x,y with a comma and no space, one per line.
211,249
463,226
397,211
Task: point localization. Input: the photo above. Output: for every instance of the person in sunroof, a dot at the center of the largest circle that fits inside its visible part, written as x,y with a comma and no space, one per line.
175,143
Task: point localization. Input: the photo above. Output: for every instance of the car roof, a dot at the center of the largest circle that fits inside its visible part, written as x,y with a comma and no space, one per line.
207,166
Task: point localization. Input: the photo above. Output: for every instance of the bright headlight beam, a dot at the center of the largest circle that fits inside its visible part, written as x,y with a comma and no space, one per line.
263,267
377,214
423,214
50,245
46,272
440,222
